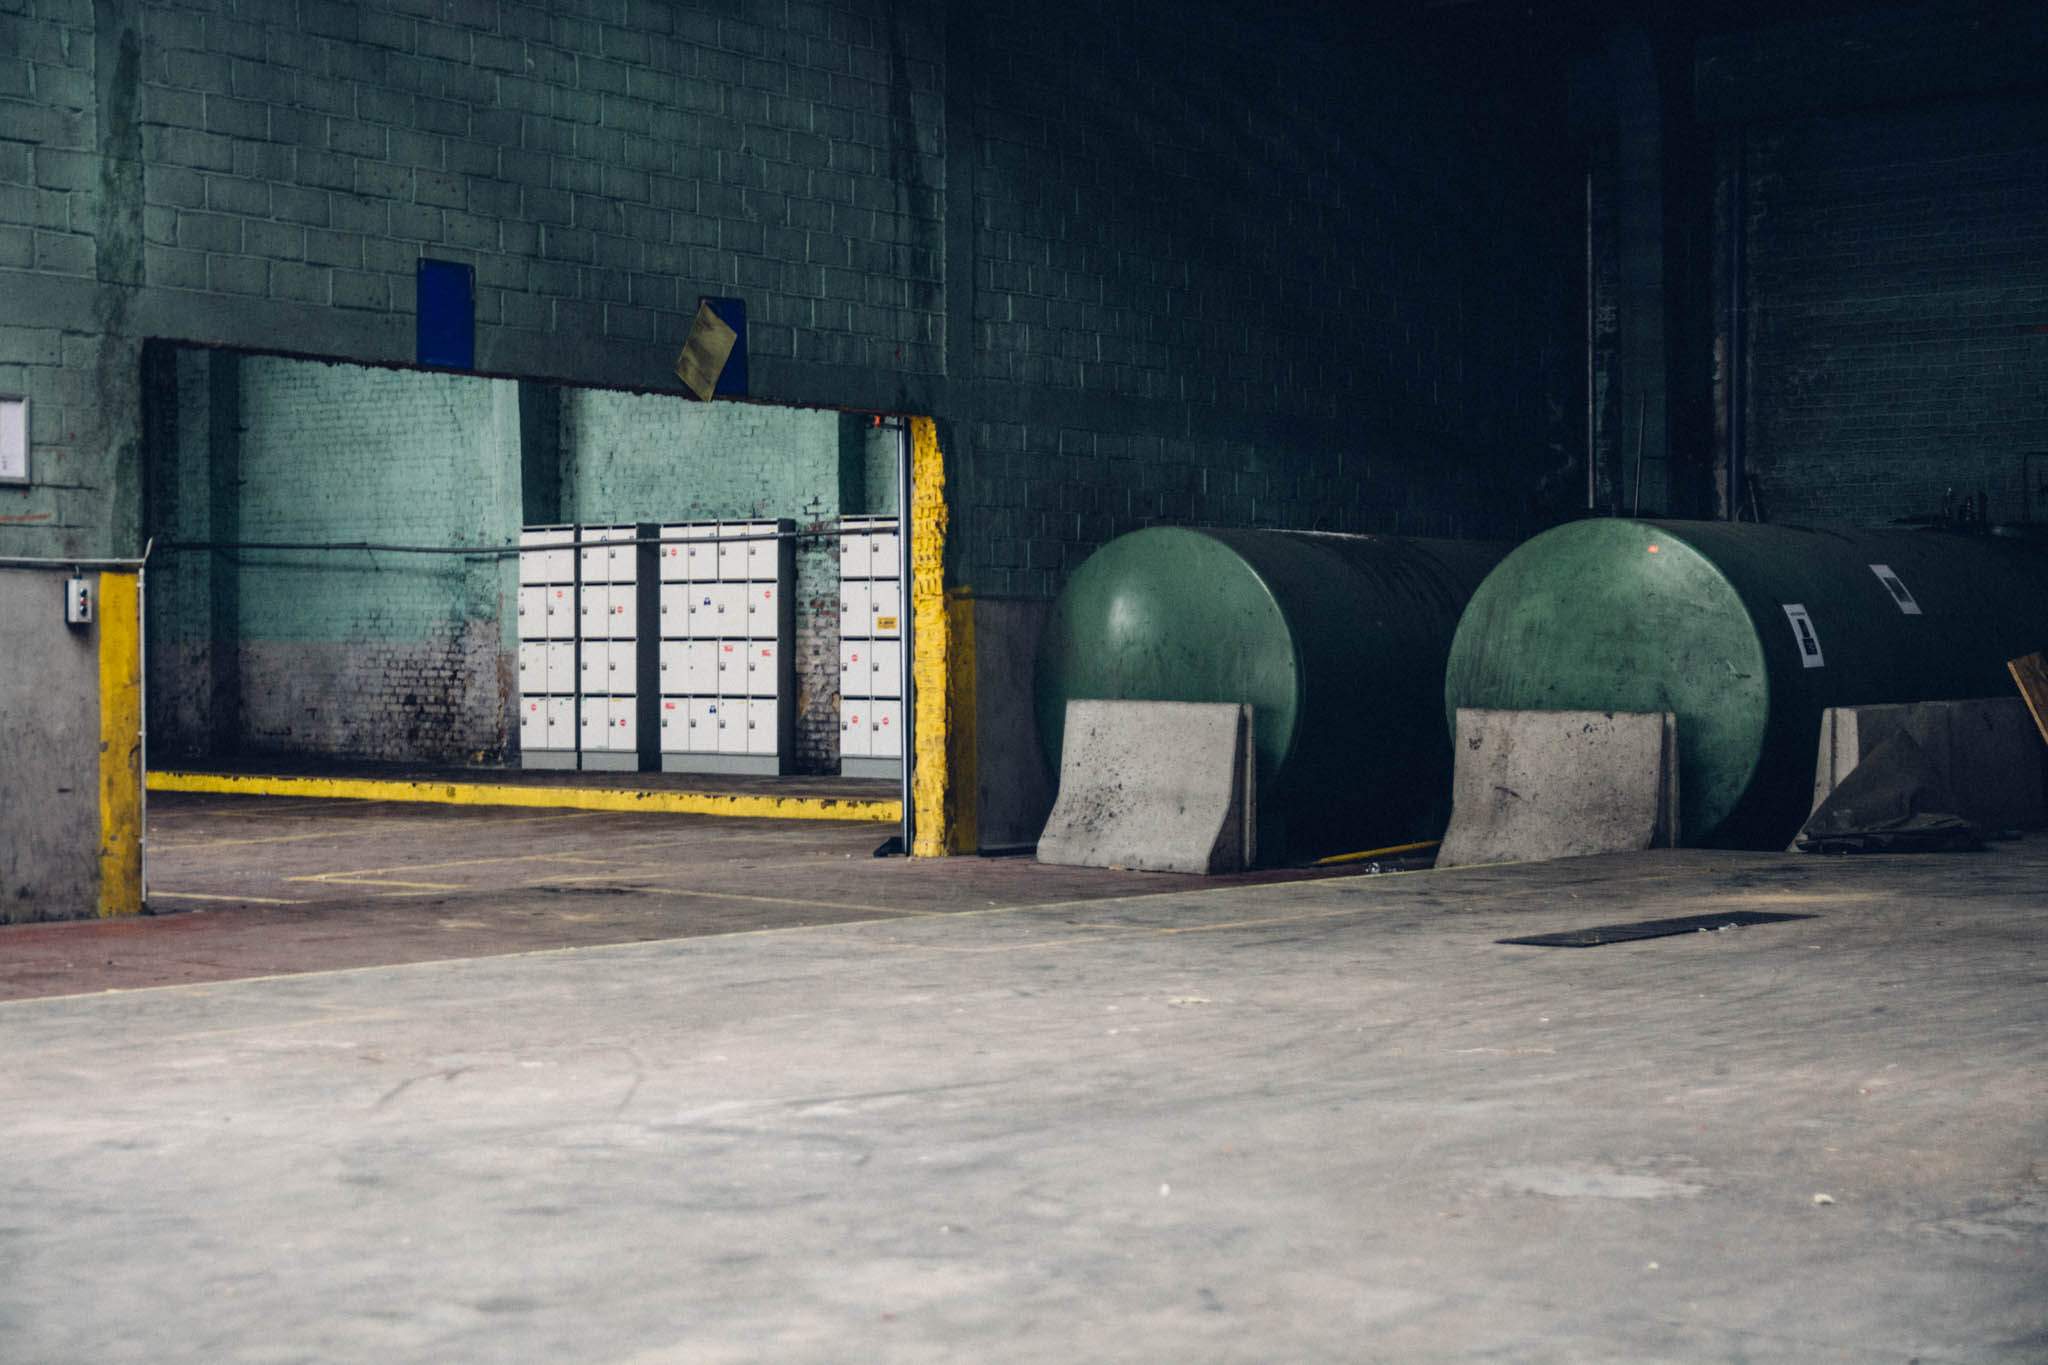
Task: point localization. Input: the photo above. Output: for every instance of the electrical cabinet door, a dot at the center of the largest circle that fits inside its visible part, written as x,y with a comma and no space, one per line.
883,555
622,561
763,555
764,659
673,565
853,550
732,668
625,725
887,605
533,561
887,673
596,666
561,666
887,728
623,621
533,613
533,666
668,675
700,668
533,723
732,609
700,559
594,568
674,719
854,740
622,676
594,611
595,715
764,615
855,669
558,613
701,622
855,611
675,610
703,732
761,724
732,551
561,713
732,725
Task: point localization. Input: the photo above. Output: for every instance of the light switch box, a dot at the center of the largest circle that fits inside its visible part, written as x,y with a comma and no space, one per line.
78,602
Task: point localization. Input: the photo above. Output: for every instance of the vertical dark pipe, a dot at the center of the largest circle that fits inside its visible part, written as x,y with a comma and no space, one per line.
1737,391
1592,447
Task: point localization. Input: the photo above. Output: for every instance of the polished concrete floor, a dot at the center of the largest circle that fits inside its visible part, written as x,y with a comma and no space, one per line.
1324,1120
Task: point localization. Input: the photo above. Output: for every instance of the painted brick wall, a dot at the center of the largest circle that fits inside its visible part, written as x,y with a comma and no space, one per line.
77,366
653,457
1899,267
1217,268
377,655
600,168
373,655
1257,273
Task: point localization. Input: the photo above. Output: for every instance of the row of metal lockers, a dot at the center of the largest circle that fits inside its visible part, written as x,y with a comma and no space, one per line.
671,646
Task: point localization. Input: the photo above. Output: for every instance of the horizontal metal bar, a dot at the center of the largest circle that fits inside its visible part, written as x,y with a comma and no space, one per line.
499,551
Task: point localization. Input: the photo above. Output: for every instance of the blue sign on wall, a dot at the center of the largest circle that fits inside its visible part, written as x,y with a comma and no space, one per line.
445,295
732,380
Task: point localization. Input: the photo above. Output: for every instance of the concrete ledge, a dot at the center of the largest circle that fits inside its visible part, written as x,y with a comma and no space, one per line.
1159,786
1531,785
648,802
1986,748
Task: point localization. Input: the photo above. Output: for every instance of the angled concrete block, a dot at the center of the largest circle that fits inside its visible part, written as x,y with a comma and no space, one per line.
1160,786
1531,785
1986,748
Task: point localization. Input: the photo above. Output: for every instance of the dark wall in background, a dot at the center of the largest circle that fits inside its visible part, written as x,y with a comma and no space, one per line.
1145,262
1899,308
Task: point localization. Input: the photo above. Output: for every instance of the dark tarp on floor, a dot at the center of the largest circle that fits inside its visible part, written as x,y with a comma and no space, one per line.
1895,801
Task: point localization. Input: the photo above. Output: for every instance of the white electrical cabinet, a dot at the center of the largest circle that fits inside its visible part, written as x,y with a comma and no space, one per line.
614,699
725,648
871,616
548,681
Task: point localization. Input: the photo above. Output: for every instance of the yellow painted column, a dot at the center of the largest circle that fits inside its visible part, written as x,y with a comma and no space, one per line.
936,657
119,622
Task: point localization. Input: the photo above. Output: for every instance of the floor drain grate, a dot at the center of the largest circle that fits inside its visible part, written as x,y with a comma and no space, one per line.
1649,928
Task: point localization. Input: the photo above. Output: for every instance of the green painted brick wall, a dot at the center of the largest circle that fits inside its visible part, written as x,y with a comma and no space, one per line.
349,653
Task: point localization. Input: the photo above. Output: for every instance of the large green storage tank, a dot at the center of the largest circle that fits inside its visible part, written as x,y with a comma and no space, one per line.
1746,633
1337,641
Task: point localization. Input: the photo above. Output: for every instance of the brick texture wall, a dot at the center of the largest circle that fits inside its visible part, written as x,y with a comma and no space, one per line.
375,655
1216,267
1899,268
1252,273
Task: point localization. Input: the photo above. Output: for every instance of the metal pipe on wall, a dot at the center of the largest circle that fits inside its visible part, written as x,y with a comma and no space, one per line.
907,630
1592,449
1737,391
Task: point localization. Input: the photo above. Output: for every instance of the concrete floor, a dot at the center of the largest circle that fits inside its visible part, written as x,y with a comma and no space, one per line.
246,886
1328,1120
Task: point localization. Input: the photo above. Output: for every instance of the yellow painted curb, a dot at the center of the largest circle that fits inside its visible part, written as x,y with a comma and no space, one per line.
747,806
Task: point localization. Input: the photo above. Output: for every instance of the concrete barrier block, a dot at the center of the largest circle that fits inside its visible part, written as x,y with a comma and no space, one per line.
1985,747
1158,786
1531,785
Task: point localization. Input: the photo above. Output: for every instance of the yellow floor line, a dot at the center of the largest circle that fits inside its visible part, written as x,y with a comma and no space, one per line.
232,900
745,805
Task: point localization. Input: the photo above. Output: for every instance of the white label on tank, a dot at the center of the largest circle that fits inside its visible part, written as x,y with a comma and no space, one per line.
1802,631
1898,590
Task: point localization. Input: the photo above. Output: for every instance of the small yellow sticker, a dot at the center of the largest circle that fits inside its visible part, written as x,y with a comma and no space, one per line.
885,623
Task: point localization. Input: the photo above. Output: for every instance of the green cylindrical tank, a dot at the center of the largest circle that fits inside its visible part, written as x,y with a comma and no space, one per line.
1337,641
1746,633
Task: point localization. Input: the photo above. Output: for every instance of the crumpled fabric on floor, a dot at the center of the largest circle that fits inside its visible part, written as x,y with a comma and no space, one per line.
1897,800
